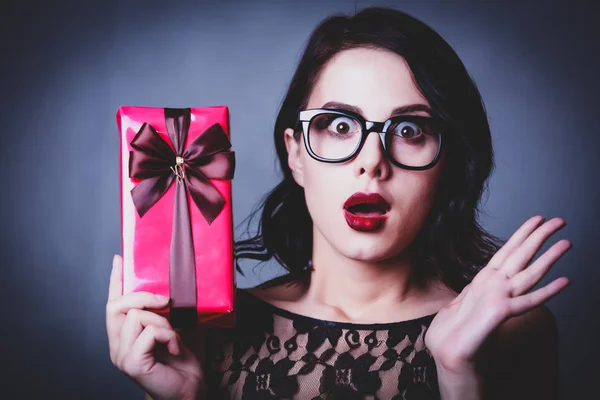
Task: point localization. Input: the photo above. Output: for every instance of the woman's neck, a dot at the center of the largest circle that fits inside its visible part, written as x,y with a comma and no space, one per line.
360,290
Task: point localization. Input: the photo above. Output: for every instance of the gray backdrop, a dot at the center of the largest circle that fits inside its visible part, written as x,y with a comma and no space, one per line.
67,67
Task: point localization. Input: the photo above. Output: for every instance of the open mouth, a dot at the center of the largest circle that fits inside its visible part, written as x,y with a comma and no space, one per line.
367,210
367,205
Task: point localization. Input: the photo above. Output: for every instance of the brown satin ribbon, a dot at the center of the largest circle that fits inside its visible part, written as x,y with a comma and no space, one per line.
158,166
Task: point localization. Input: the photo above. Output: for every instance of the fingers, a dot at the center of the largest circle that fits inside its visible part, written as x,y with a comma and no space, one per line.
116,309
114,287
135,322
123,304
140,359
118,306
529,277
521,304
515,241
152,335
519,259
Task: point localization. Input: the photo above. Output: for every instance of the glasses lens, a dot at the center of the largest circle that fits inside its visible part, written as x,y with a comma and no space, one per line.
413,142
334,136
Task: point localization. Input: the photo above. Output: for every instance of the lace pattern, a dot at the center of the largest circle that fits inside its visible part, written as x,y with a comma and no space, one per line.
276,354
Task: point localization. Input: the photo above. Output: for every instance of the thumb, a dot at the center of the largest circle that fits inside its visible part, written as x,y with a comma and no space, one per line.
115,285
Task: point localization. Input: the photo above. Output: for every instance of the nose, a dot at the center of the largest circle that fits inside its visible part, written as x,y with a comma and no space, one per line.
371,159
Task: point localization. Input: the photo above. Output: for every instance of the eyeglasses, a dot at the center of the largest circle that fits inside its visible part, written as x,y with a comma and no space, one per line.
410,141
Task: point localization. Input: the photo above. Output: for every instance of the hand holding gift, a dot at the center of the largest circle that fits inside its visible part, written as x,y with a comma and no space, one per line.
145,347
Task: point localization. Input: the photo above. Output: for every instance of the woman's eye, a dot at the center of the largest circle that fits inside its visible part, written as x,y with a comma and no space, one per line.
406,130
342,125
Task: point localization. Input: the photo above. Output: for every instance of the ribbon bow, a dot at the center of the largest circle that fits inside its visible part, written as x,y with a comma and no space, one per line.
155,162
158,166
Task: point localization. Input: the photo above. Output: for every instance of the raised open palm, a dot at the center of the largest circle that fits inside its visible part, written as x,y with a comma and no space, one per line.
498,292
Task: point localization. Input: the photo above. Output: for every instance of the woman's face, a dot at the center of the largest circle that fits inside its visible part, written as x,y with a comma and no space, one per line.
376,82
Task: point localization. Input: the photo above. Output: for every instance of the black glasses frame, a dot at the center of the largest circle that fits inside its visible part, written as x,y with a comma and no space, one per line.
305,117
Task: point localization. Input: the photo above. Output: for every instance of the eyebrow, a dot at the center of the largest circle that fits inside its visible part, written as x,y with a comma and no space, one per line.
396,111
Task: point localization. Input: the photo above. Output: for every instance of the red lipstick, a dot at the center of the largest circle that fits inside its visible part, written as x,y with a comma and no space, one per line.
366,212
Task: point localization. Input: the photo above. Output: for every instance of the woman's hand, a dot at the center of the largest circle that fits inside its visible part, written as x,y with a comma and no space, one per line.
498,292
145,347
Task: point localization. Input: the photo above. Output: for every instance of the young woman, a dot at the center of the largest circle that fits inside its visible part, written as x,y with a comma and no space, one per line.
393,290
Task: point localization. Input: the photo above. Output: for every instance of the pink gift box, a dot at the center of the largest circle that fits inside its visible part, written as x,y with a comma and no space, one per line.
152,256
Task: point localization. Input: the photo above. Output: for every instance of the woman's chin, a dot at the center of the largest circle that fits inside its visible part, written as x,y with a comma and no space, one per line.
368,251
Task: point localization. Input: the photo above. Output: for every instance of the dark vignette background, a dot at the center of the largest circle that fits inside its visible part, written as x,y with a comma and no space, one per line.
67,66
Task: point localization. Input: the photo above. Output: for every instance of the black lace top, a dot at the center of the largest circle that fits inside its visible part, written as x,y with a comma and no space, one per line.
276,354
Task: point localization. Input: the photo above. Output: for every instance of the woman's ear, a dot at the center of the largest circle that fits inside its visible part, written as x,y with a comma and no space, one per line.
293,146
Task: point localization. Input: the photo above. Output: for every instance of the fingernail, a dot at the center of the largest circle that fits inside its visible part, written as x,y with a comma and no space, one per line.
114,261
